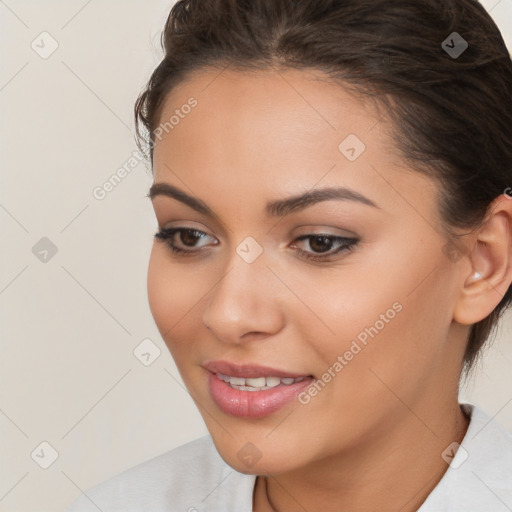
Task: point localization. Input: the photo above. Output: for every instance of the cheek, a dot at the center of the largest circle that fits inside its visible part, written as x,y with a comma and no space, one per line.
159,297
374,359
391,311
171,292
393,333
174,292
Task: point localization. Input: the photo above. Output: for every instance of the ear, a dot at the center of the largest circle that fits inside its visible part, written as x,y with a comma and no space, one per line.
491,258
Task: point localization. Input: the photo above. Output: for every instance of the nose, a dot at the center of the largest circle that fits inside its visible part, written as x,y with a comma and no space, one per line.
245,302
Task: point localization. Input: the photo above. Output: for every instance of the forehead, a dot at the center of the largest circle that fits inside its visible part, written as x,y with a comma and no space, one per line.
280,131
241,95
293,113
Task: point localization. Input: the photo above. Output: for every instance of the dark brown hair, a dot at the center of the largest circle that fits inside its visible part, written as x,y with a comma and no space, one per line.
452,113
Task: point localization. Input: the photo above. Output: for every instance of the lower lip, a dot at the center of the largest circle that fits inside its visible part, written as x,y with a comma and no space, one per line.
253,404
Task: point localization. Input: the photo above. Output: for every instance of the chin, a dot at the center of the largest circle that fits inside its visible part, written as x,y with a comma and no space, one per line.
258,458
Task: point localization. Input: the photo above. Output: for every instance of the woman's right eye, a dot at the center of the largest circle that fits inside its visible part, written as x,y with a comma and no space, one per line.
188,237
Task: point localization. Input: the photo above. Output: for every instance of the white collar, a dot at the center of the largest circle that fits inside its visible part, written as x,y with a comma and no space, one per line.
479,477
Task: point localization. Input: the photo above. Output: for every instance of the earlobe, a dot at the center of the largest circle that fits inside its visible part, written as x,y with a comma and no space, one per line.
491,263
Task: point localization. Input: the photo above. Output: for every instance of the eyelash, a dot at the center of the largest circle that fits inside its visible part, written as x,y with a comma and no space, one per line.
348,244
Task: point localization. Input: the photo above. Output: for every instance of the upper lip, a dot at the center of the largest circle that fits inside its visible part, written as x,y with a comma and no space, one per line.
248,371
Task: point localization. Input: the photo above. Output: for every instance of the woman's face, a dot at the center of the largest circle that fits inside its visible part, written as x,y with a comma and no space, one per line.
368,325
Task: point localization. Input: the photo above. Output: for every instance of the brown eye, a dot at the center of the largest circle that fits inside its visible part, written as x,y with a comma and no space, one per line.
188,237
321,245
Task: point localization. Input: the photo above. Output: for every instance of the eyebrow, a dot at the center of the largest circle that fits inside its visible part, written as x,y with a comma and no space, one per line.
278,208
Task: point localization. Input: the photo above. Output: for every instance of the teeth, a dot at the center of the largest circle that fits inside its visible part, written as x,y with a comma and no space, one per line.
272,382
257,383
237,381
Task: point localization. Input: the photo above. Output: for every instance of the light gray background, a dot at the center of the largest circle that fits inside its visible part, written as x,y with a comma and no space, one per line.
69,376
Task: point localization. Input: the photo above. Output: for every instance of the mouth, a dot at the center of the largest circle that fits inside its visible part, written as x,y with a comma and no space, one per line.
252,391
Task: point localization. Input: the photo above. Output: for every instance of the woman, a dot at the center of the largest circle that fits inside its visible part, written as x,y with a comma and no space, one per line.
331,188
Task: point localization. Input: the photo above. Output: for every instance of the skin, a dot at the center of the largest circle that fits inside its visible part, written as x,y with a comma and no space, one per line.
372,438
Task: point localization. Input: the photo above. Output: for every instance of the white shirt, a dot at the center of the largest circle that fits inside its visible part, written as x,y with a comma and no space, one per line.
194,478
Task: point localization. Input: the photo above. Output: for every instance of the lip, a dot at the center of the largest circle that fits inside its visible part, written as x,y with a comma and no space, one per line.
251,404
248,371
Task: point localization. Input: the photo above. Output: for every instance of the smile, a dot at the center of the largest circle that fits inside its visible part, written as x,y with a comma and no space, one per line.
258,383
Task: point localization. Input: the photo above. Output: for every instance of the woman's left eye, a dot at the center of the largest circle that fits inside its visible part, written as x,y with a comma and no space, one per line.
323,243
